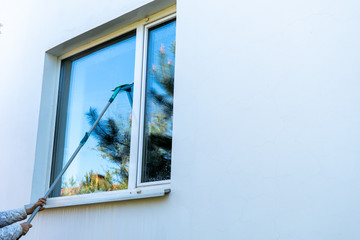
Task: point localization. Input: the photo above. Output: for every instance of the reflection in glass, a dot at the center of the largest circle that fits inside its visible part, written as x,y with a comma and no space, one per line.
159,103
102,164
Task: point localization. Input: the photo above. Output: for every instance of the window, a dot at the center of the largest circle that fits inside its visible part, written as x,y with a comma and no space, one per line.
159,103
131,145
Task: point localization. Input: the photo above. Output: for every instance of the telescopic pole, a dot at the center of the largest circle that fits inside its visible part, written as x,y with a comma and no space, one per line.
125,87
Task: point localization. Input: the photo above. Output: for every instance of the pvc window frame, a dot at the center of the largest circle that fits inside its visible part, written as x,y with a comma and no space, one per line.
145,32
136,189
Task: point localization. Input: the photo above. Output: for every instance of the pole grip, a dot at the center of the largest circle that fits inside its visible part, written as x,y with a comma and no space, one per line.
85,138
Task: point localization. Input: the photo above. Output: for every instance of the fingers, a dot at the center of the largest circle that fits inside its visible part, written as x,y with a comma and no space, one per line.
25,231
41,202
25,227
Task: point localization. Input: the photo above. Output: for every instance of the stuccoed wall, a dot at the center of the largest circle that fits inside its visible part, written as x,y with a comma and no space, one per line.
266,121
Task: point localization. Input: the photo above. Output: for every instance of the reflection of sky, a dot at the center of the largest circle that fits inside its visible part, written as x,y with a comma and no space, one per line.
92,79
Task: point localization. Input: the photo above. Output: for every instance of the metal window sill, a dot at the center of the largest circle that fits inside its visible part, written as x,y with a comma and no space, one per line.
102,197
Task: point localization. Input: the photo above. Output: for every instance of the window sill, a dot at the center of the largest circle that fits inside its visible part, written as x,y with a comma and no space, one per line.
101,197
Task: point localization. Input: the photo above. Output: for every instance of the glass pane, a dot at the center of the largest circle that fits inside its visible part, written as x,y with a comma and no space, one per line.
159,103
102,164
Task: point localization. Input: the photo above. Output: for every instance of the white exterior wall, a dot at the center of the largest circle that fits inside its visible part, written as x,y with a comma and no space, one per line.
266,121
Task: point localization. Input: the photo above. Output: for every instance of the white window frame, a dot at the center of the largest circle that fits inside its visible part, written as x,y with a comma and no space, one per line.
145,32
136,189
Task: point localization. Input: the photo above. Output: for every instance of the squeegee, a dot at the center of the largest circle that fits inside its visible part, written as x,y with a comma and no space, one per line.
128,89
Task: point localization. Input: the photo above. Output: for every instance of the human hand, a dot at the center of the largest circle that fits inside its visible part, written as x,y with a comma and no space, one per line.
41,202
25,227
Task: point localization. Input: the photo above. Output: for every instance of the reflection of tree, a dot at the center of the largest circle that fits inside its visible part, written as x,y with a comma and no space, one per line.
158,137
113,143
92,183
96,182
113,137
164,76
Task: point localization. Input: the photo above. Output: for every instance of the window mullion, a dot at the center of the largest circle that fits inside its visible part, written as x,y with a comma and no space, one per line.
142,107
137,99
